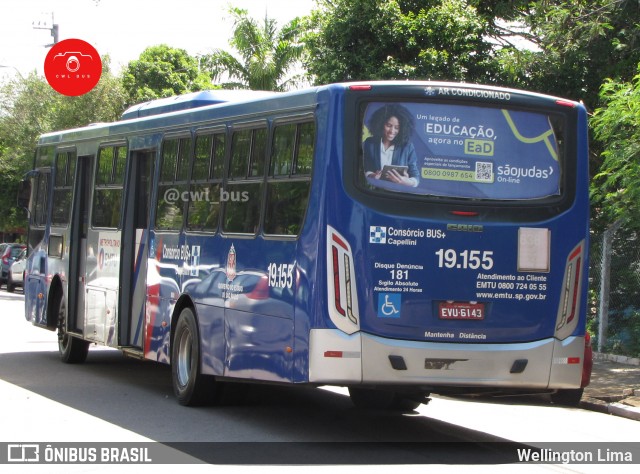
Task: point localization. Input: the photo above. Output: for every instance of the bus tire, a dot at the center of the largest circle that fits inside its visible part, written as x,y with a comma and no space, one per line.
568,397
72,349
191,387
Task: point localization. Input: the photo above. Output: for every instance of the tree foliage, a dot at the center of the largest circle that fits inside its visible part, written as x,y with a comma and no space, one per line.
577,44
552,46
266,56
615,190
162,71
368,39
29,107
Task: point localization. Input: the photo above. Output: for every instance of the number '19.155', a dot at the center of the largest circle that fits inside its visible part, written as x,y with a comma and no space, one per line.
467,259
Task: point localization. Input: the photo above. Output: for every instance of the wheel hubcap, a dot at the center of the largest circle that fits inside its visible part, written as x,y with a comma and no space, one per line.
184,358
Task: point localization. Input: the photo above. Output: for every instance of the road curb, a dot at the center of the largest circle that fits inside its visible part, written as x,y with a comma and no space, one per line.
616,358
611,408
620,409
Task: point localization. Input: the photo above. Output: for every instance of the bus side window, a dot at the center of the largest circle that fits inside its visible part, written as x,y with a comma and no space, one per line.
40,204
63,188
206,181
242,197
42,200
108,190
289,178
172,187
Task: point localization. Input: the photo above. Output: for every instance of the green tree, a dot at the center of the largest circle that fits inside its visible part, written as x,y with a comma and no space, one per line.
615,189
578,44
585,50
163,71
29,107
397,39
266,56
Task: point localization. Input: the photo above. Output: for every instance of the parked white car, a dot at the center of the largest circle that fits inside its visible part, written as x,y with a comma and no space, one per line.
15,276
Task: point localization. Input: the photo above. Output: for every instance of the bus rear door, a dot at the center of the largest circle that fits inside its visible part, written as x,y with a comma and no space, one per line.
134,251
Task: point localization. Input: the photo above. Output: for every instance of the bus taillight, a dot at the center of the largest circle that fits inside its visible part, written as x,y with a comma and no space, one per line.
341,286
566,103
570,296
360,87
465,213
588,361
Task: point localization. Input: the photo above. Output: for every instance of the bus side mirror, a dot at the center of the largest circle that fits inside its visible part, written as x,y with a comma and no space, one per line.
24,193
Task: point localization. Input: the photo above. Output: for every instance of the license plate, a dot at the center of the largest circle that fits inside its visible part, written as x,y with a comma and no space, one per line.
460,310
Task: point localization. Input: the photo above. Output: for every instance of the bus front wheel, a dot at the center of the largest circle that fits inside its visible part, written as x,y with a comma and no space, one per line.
190,386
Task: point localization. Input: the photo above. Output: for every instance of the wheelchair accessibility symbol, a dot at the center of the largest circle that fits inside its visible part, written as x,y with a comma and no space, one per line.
389,305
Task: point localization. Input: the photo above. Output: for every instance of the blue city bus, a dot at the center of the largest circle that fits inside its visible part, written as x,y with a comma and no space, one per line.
396,238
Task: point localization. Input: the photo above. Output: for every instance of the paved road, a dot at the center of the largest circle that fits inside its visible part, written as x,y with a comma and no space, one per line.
112,398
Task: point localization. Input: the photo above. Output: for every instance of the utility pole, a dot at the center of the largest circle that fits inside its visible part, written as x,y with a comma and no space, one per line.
42,25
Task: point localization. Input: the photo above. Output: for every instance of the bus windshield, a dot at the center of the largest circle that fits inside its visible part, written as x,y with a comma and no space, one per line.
461,151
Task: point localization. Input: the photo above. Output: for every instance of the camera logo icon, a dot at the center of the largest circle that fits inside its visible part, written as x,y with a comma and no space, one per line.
73,67
72,62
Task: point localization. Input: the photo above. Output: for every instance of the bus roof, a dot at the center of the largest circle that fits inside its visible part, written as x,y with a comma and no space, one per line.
190,101
184,110
187,109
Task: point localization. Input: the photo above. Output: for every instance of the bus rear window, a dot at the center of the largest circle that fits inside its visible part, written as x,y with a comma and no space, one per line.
460,151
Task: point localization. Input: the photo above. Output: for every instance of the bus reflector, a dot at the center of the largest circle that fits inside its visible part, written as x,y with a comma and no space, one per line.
566,360
342,354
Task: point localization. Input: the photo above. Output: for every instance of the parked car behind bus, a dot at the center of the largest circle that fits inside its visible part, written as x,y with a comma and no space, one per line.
15,276
9,254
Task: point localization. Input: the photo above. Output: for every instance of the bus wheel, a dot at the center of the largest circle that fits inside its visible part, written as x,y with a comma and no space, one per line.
190,386
72,350
567,397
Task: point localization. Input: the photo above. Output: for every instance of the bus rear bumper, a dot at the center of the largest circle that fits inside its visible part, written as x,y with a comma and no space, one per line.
360,358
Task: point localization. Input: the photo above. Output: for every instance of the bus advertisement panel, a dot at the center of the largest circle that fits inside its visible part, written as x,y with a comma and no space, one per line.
461,151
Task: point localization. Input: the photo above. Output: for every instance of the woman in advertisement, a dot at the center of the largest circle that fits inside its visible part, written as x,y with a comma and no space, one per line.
389,154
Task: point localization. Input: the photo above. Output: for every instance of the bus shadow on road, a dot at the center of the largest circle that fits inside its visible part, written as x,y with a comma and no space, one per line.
524,399
137,396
